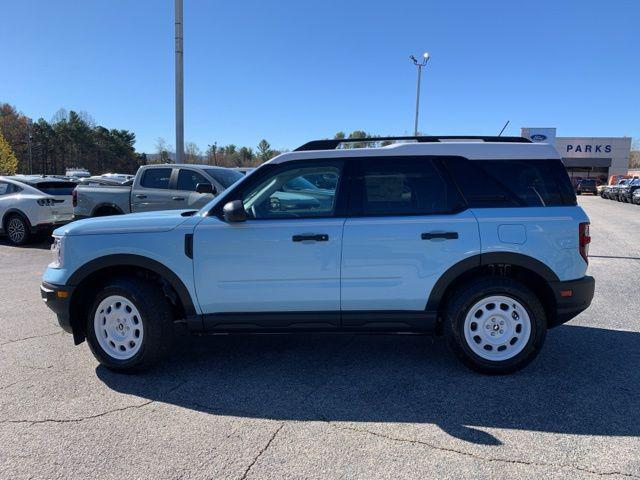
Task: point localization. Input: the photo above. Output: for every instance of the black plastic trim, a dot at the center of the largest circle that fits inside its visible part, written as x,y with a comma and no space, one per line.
568,307
520,260
128,260
59,306
188,245
334,143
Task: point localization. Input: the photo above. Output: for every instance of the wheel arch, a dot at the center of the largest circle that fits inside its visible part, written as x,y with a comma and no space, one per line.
14,211
91,274
531,272
112,206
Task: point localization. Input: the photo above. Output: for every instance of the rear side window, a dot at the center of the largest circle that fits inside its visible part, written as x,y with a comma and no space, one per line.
56,188
403,186
156,178
512,183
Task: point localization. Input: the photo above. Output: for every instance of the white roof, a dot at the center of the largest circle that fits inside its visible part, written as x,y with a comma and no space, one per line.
473,150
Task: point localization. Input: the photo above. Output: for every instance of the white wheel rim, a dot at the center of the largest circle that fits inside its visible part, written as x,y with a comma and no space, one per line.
118,327
16,230
497,328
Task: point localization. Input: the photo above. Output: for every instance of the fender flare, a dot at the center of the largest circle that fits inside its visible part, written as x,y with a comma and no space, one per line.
131,260
475,261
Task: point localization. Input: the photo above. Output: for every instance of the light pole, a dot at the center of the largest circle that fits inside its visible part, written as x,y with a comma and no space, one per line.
425,59
179,84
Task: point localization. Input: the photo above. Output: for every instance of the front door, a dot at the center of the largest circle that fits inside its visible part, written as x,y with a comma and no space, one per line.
281,267
407,226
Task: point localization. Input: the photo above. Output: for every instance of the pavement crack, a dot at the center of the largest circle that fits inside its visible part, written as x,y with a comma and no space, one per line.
29,338
88,417
481,457
79,419
261,452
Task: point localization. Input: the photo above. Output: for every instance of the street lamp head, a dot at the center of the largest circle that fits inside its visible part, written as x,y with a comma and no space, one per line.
426,55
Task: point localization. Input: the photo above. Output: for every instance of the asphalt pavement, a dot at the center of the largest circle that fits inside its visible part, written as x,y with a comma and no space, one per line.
328,406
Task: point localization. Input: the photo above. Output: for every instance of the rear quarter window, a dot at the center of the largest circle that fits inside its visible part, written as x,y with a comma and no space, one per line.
512,183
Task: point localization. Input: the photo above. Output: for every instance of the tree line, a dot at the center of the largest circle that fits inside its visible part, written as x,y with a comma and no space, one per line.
70,140
73,140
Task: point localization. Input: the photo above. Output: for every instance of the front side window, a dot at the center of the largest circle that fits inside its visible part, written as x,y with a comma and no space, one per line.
288,194
403,187
156,178
189,180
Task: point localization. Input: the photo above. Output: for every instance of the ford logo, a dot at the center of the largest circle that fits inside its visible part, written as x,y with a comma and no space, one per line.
538,137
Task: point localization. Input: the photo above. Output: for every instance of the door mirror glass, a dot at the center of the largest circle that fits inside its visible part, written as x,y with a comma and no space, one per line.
234,211
205,188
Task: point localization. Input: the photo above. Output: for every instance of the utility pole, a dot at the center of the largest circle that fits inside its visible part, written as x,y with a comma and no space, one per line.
425,59
29,147
179,84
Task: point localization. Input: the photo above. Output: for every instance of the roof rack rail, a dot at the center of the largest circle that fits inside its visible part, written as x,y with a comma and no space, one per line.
334,143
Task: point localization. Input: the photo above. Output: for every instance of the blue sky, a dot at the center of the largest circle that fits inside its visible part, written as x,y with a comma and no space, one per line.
290,71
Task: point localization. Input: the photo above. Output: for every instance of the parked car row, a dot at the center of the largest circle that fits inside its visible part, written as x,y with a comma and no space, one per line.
31,206
626,190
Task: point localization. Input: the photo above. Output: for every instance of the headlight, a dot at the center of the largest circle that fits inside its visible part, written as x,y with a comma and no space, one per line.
57,250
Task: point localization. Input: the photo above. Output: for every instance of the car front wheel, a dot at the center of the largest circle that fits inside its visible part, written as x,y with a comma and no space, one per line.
495,325
129,324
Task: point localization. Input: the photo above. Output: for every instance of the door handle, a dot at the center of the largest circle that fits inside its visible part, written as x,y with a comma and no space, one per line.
443,235
177,198
140,196
321,237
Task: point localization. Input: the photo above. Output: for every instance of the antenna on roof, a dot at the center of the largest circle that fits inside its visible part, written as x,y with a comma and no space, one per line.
505,126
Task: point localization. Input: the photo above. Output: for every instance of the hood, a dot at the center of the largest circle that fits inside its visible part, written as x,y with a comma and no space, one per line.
161,221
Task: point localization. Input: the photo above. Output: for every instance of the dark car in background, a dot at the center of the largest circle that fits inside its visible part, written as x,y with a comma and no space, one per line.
625,192
586,185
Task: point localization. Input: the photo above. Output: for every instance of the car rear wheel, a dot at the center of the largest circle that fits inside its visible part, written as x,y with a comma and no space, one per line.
129,324
17,230
495,325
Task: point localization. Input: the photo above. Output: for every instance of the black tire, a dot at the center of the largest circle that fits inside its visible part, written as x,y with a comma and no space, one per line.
472,292
17,229
157,320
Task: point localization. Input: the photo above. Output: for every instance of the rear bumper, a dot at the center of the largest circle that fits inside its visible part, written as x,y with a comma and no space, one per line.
57,298
572,298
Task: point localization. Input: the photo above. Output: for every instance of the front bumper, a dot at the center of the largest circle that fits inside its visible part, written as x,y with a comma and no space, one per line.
572,298
48,227
57,298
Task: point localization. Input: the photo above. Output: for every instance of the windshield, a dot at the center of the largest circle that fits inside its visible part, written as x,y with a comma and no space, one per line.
587,182
226,178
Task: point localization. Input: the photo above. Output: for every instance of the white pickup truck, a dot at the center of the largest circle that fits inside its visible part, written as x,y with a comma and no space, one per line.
155,187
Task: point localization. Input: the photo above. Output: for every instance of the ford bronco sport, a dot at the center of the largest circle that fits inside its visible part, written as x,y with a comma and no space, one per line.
477,239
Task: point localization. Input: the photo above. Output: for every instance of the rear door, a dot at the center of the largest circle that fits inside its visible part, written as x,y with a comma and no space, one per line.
408,224
150,190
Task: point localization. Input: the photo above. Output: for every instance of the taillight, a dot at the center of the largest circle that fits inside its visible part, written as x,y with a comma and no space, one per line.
585,240
74,198
46,202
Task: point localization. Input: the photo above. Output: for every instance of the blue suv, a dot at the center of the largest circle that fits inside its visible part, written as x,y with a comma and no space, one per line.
477,239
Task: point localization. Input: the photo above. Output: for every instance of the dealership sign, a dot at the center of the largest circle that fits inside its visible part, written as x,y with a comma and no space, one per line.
596,148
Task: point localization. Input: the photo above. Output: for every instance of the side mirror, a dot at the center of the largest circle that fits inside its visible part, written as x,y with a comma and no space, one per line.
234,211
205,188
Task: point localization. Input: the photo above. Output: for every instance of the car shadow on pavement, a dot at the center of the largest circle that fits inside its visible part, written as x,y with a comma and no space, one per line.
39,243
586,381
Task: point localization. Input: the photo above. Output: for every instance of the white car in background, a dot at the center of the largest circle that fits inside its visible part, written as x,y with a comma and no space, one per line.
31,205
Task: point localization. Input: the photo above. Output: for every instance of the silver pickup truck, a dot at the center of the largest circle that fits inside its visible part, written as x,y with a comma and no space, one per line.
155,187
